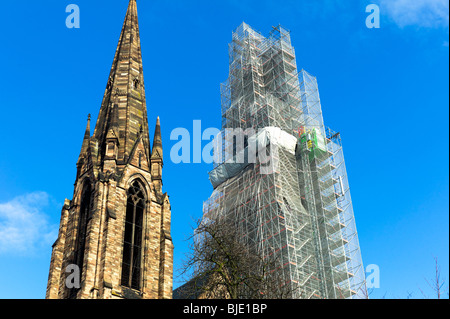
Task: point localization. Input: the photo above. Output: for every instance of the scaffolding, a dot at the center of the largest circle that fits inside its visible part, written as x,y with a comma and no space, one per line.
296,206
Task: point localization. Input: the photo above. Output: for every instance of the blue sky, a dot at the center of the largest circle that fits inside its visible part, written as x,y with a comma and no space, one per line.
385,90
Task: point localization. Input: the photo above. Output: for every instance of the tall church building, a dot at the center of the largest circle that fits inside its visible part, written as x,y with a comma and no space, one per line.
114,234
292,205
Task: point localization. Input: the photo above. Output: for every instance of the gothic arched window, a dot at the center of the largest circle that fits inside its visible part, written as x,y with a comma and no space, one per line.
132,245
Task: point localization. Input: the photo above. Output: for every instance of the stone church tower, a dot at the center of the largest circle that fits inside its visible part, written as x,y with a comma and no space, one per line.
115,232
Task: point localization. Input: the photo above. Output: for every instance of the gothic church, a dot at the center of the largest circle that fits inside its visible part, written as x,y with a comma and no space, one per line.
116,230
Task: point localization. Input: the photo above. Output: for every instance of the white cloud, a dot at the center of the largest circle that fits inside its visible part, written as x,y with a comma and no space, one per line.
24,224
421,13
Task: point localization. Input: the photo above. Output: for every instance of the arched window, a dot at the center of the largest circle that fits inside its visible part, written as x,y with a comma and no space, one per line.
132,245
80,243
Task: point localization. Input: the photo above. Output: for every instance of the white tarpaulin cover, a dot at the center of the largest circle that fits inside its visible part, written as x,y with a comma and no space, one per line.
264,137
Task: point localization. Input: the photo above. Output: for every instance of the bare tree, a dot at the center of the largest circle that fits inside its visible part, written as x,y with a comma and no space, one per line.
437,283
365,292
221,265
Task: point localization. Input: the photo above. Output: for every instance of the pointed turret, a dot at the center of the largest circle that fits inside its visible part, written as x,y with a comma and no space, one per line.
156,159
85,145
125,93
157,151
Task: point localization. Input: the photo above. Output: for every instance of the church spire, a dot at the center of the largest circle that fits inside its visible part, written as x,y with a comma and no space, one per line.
124,104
